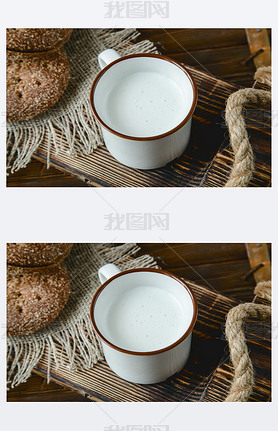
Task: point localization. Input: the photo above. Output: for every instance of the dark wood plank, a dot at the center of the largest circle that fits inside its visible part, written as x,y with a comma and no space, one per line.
177,39
221,267
37,389
217,61
36,174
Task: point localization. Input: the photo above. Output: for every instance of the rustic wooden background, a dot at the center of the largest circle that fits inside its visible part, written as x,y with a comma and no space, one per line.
221,268
220,52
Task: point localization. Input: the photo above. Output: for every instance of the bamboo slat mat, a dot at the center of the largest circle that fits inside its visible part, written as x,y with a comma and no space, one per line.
202,164
206,376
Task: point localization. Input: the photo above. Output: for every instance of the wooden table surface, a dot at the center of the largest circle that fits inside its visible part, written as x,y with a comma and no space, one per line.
220,52
218,267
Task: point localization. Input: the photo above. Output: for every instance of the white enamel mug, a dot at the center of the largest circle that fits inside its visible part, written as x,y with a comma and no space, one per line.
143,152
141,364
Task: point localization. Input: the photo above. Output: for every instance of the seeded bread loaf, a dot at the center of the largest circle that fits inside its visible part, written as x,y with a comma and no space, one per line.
35,83
36,254
36,39
35,297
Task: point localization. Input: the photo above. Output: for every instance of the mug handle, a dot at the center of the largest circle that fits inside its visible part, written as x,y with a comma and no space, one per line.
107,271
107,56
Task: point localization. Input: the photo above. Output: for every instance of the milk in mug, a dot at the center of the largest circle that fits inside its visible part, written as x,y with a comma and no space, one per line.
145,104
145,318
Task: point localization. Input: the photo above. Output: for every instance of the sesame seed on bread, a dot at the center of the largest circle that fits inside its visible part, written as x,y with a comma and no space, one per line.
36,39
35,82
35,297
37,254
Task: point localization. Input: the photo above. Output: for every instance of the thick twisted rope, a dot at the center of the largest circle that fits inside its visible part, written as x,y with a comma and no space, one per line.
263,75
243,166
263,290
243,381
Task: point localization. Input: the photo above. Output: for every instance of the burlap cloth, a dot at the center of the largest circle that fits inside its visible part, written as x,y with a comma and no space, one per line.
72,115
72,330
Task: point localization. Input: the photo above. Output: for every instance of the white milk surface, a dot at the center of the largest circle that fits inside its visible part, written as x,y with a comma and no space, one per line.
145,104
145,318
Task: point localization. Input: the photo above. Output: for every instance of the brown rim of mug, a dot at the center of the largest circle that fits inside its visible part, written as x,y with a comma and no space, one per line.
154,352
161,57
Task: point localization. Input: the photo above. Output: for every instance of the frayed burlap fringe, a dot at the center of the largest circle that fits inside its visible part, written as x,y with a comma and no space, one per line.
72,116
243,381
72,331
243,166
